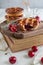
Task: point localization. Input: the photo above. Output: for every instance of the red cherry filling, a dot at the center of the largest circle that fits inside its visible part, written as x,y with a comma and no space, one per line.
34,48
30,53
12,59
41,60
28,27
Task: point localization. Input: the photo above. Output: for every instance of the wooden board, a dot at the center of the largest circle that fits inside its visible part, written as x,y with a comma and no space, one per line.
34,38
22,44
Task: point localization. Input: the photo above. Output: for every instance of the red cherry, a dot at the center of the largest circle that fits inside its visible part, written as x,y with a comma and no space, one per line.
30,53
41,60
34,48
11,28
15,29
15,25
37,17
10,25
12,59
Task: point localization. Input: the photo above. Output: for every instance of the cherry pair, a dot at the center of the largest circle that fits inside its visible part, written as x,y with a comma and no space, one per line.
31,52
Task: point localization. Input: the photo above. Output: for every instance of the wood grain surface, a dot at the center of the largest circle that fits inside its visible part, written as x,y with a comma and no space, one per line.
22,44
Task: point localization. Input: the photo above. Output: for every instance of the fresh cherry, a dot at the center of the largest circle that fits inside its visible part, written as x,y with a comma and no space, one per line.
10,25
12,59
37,17
31,53
34,48
41,60
13,28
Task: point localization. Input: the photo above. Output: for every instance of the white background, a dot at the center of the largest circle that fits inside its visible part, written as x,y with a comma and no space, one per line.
9,3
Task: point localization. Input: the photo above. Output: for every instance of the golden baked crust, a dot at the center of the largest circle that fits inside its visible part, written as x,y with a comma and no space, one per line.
10,18
19,14
14,10
31,22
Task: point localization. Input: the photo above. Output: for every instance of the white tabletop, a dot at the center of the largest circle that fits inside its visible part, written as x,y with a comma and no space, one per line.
22,56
